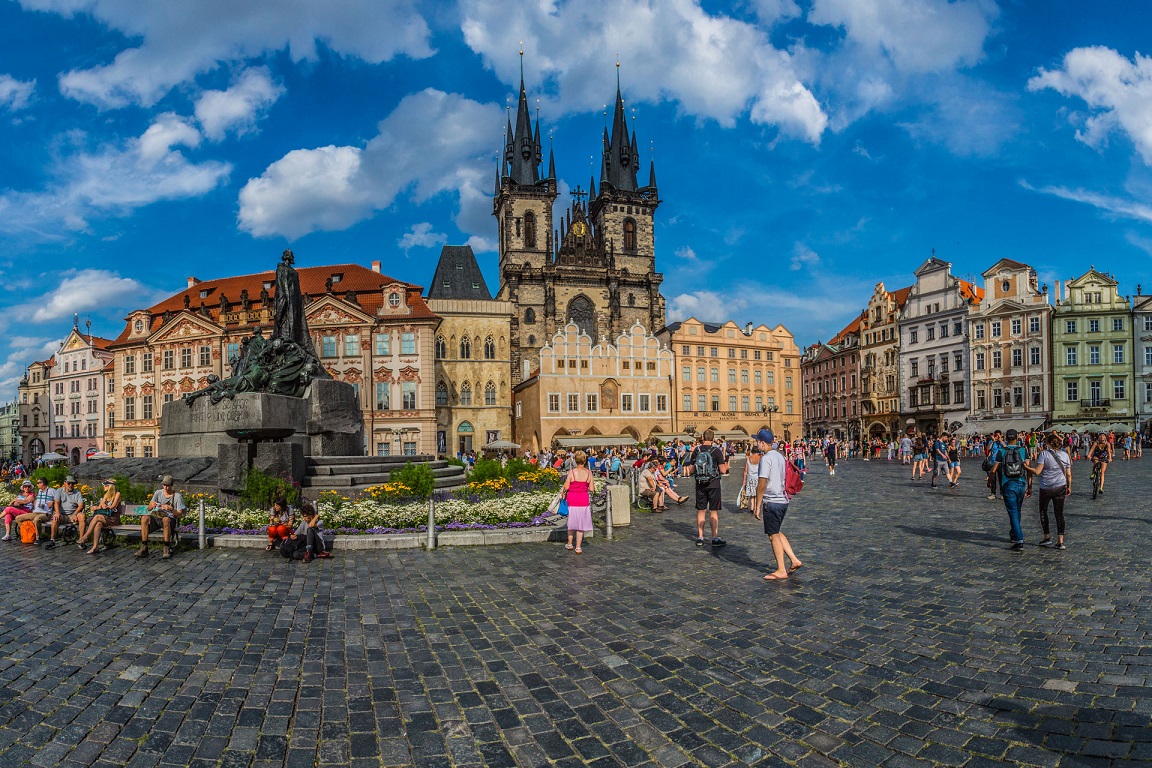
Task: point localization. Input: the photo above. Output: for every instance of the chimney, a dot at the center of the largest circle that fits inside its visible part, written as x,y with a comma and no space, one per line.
193,281
376,267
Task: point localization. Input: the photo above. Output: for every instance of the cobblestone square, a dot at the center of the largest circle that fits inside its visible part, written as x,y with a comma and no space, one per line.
912,636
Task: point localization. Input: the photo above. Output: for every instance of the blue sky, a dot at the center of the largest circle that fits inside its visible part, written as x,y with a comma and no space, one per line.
805,149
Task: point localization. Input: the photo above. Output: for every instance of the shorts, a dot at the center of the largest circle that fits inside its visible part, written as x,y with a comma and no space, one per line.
156,522
773,516
953,464
647,493
939,466
707,498
919,457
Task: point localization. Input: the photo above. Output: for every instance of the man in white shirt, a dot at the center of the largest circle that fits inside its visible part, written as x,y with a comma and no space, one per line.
771,504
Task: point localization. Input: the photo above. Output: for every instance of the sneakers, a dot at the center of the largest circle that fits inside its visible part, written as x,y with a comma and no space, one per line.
1061,546
699,542
143,551
1047,542
51,544
1018,546
167,552
718,542
7,538
308,557
991,496
323,554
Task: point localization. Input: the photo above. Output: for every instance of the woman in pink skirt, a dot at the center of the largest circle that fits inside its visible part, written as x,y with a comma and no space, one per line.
577,487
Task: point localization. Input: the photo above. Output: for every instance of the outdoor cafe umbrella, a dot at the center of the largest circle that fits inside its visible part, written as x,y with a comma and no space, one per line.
501,445
1092,428
100,455
1061,428
1118,427
52,456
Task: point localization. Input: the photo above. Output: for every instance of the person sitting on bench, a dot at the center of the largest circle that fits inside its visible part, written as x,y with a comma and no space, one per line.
102,515
280,523
164,512
21,505
650,489
306,538
41,508
68,506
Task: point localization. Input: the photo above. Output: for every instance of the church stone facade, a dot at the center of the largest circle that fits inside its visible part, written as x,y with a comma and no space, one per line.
595,265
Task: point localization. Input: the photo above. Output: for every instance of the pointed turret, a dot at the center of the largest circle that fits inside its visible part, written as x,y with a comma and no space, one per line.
620,156
496,191
551,163
524,149
652,174
591,187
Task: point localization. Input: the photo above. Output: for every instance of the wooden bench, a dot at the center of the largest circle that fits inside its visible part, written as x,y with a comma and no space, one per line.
129,531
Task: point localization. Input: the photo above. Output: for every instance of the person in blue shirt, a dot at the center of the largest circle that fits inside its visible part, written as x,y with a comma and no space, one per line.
1015,483
993,449
939,459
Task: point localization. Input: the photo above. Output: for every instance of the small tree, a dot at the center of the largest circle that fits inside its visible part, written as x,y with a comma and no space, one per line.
417,477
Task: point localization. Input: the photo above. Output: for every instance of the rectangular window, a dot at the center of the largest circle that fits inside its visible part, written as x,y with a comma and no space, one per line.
979,327
593,403
1093,355
186,357
327,346
233,350
408,448
1094,389
943,330
1017,358
686,373
1117,389
407,343
913,335
715,402
1117,324
701,402
408,395
981,402
744,352
351,344
626,403
1072,391
661,403
1016,326
996,327
701,375
1093,326
1069,326
129,452
383,342
713,352
943,395
573,403
997,359
685,349
645,404
147,407
205,356
687,404
129,409
1117,353
699,351
1147,355
731,354
1070,355
914,365
554,403
1035,395
384,396
958,388
731,375
997,398
759,404
1034,355
715,375
1148,322
1148,392
755,354
130,364
744,403
148,451
979,361
757,378
1034,325
169,359
930,333
1017,397
743,375
731,402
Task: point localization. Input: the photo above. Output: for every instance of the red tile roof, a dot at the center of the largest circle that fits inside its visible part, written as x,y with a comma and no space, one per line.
970,291
900,296
367,284
852,327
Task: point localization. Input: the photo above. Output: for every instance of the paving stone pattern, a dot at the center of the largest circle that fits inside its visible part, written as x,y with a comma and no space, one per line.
912,636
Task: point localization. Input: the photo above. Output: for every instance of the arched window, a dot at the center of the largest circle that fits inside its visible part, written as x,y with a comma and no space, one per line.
529,316
629,235
441,348
465,349
631,299
531,340
441,394
489,349
529,230
466,394
582,312
489,394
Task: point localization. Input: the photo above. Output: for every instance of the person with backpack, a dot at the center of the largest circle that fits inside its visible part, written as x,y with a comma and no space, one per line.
1008,466
994,448
1054,468
707,464
771,503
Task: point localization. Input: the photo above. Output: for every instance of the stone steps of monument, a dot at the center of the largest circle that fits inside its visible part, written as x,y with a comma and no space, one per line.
359,482
398,461
439,469
349,473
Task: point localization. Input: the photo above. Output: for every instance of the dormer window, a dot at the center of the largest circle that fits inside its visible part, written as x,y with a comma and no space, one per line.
267,285
394,300
337,278
204,293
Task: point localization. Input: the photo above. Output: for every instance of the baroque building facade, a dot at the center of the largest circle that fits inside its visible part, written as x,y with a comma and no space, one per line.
595,265
934,388
880,362
369,329
78,382
1142,358
734,380
591,394
832,387
473,356
34,410
1010,351
1092,344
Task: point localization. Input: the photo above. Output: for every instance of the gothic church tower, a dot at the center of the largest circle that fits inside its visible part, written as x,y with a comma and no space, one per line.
597,268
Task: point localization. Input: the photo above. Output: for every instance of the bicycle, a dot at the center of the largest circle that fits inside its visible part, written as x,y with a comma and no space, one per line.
1095,479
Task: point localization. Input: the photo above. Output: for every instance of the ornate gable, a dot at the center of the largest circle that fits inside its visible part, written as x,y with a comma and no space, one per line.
332,312
184,326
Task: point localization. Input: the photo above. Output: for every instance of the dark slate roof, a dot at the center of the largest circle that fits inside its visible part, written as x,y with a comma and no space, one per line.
458,275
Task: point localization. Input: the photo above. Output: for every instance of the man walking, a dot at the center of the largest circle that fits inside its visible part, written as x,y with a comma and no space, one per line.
708,464
771,504
1015,483
830,455
993,449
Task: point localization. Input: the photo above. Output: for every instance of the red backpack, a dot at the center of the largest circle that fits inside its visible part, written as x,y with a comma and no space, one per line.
793,480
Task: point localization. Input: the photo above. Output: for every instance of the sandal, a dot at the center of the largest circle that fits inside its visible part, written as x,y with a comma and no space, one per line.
270,547
568,546
579,551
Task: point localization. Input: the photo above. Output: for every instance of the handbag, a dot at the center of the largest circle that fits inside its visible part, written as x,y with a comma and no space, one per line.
554,507
563,510
742,501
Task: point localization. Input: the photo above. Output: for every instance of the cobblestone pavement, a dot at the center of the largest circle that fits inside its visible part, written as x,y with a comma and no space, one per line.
912,636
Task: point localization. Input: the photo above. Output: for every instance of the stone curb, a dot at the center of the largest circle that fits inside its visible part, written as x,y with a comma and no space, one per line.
536,535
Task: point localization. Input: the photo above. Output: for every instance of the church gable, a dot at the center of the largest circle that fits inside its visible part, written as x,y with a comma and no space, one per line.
330,311
183,326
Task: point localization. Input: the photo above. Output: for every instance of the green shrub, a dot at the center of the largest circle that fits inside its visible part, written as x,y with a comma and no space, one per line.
131,493
485,469
456,461
516,467
417,477
54,475
260,489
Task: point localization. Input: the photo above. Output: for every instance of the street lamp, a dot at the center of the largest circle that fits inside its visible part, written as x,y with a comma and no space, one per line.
768,410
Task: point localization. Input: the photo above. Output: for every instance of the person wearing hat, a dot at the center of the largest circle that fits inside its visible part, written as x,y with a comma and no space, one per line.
1009,467
164,512
21,505
68,504
41,508
102,514
771,504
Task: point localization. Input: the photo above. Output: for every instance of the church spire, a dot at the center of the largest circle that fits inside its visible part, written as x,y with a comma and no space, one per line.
620,156
523,150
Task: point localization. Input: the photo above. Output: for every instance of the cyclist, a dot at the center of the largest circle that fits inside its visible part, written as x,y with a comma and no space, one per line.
1100,454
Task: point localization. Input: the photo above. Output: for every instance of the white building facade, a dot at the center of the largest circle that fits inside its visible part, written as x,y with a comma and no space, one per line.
1142,357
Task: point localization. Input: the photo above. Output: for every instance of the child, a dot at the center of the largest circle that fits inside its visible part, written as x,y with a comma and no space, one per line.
306,538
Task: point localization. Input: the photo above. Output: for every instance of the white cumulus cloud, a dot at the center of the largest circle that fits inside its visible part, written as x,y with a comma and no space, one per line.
179,39
1117,90
432,143
237,108
421,236
803,256
90,289
116,179
714,66
15,94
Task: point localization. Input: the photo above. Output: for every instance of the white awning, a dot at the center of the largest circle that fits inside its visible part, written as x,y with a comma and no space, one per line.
988,426
595,441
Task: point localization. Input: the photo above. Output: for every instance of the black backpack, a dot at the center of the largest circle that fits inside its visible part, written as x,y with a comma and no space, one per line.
1013,462
705,465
